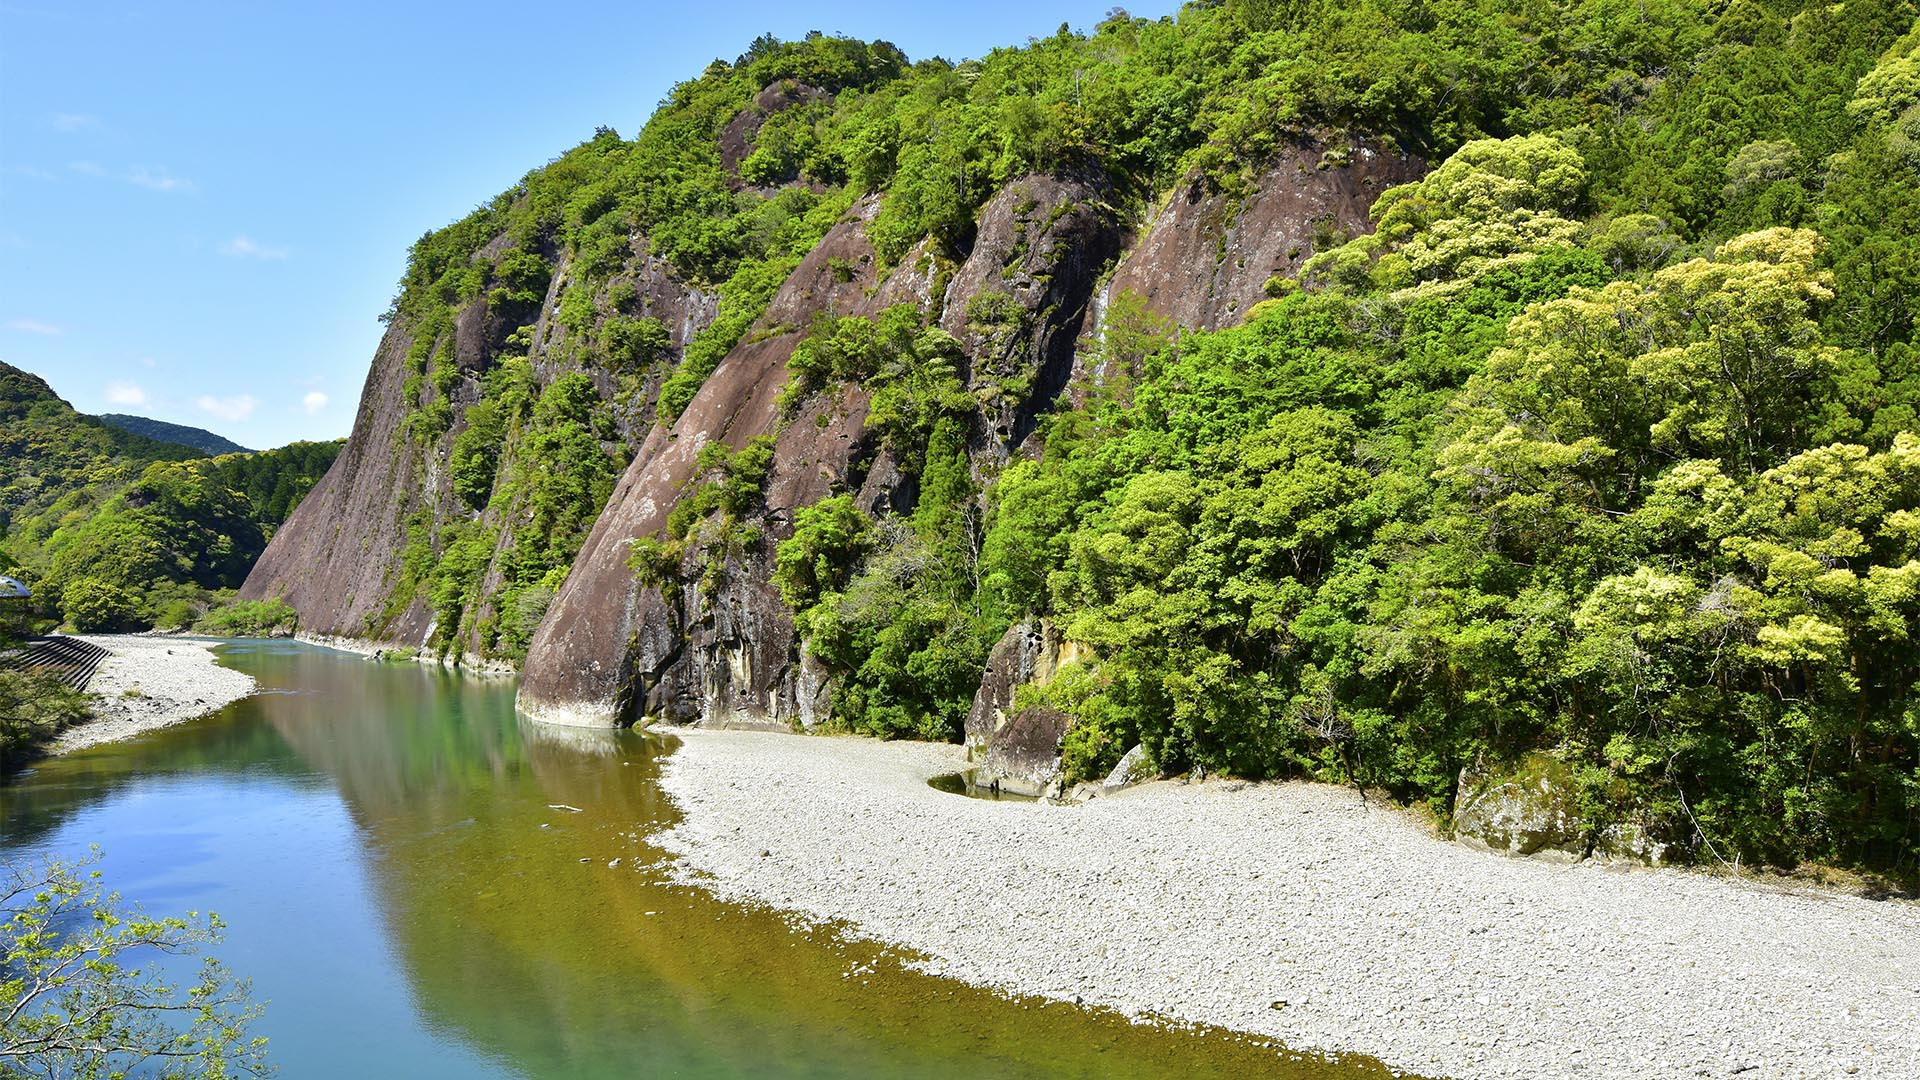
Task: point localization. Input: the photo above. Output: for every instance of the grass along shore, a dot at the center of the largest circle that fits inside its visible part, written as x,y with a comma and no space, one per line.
1297,912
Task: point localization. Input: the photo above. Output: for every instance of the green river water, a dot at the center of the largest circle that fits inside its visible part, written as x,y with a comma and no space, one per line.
383,844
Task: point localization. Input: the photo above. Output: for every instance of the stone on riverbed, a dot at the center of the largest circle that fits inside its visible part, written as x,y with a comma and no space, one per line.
1131,769
1529,811
1024,755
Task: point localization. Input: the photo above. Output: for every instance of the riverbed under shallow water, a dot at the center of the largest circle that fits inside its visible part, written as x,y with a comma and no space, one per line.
421,884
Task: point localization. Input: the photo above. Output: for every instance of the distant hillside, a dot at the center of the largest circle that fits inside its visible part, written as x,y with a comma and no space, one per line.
116,530
47,449
198,438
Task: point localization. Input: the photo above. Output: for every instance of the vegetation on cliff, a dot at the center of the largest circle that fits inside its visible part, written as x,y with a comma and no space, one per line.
1565,455
1597,443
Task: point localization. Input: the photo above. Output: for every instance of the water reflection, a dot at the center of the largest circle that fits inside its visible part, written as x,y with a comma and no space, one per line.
425,886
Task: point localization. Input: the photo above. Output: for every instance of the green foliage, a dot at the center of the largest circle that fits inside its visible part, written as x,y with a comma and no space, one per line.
33,709
1495,203
274,481
1522,482
250,618
634,344
83,999
91,605
828,538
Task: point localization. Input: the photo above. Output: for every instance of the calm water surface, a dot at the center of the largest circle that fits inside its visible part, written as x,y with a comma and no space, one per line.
390,848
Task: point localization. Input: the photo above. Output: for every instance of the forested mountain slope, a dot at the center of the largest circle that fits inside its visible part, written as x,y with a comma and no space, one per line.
1375,391
115,530
199,438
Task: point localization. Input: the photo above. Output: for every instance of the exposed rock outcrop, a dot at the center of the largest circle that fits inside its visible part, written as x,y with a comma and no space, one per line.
611,651
719,646
1024,756
1205,255
1531,810
333,558
340,558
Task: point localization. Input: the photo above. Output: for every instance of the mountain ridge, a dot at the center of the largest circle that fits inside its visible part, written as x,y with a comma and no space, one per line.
207,442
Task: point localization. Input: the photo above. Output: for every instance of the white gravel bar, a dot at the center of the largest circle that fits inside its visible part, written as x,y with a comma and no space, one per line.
1293,911
150,683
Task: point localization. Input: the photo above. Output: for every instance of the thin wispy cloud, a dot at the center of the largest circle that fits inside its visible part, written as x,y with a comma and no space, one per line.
314,402
231,409
125,393
148,361
86,168
29,171
72,122
243,246
35,326
158,180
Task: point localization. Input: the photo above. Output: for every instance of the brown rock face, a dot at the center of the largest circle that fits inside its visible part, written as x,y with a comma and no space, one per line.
1025,756
1026,653
609,650
338,559
1018,303
1205,256
333,557
724,651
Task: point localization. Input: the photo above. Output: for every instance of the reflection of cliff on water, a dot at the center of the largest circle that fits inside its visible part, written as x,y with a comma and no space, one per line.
523,905
529,909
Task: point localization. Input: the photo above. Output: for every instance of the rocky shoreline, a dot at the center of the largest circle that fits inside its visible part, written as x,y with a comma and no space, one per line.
1297,912
152,682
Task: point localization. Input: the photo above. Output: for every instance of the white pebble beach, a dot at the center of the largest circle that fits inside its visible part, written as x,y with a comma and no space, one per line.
1294,911
151,683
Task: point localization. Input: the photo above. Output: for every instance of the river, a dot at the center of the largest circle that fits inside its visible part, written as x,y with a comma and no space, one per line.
422,885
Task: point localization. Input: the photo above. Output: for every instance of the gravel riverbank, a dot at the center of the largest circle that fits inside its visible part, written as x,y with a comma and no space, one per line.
150,683
1293,911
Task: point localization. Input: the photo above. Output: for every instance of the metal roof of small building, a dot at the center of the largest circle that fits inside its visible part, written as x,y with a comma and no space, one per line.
13,589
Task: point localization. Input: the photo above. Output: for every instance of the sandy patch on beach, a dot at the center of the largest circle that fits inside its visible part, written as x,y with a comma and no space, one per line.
150,683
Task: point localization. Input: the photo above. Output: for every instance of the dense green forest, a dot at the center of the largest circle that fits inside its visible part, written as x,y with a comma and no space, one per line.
116,531
1601,443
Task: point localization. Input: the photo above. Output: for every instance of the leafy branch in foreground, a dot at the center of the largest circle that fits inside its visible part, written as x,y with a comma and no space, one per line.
81,995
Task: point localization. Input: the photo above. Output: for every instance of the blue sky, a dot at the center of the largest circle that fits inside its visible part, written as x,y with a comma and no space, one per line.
204,206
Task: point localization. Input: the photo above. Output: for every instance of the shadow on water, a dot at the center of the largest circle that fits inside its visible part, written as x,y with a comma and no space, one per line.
424,885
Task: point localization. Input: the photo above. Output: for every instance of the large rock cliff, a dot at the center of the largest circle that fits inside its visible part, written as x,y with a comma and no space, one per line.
1050,251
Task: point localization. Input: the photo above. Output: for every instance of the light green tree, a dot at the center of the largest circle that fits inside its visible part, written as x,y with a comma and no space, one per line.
82,997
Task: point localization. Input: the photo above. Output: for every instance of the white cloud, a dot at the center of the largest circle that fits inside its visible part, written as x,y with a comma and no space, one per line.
148,361
234,409
29,171
158,180
87,168
125,393
246,247
314,402
70,122
35,326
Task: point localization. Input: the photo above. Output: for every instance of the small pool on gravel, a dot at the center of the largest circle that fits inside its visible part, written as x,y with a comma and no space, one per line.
962,783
